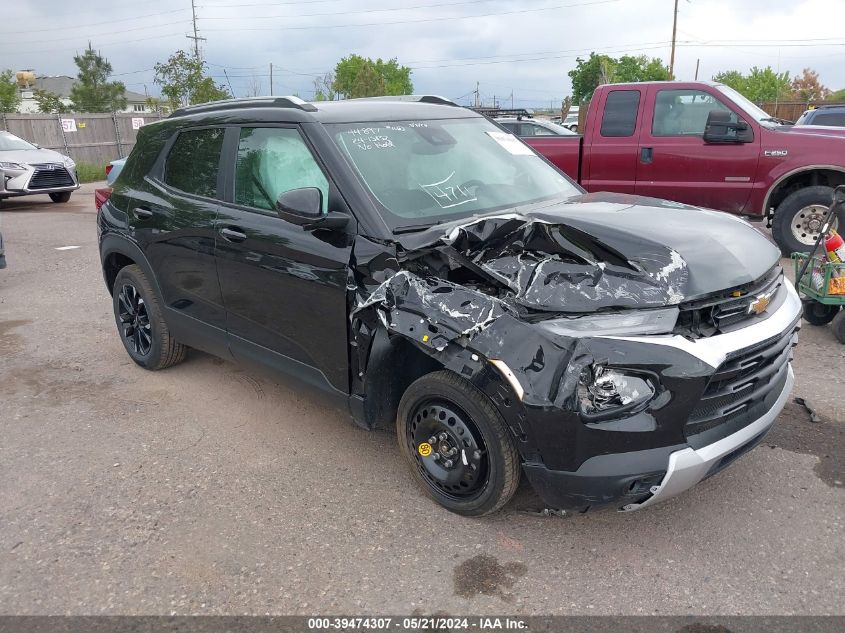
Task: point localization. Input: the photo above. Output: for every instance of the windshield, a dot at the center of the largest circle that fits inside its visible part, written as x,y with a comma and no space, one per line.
750,108
428,171
9,142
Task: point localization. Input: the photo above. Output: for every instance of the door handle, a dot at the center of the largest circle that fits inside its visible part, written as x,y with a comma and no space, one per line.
232,234
142,212
646,155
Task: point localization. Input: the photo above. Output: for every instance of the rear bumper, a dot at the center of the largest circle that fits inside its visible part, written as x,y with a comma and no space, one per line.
639,479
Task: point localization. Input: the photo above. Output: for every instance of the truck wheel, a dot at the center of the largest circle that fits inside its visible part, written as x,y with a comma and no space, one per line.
799,218
839,326
457,445
816,313
140,323
62,196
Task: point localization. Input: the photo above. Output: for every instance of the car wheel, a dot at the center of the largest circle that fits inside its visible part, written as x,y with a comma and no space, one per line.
816,313
62,196
140,323
799,218
457,445
839,326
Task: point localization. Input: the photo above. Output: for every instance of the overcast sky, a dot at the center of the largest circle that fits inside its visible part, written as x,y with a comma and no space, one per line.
521,46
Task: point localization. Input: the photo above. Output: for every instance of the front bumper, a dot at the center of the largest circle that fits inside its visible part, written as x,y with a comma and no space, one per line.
38,178
642,476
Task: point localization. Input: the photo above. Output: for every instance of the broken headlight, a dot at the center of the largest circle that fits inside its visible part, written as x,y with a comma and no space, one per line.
602,390
632,322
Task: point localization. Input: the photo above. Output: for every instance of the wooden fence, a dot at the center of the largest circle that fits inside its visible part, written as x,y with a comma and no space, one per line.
94,139
791,110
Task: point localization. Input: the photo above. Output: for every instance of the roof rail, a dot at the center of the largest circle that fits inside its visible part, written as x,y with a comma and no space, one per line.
414,98
519,113
247,102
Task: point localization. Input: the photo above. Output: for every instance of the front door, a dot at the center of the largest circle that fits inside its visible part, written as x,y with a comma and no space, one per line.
284,287
676,164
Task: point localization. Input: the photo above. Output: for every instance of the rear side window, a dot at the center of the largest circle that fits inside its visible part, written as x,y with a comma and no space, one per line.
193,162
829,118
620,113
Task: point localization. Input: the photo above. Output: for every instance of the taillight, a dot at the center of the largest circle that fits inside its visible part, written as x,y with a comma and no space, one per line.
109,167
100,196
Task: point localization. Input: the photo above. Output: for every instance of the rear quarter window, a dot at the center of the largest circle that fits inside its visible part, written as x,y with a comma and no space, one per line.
620,113
829,118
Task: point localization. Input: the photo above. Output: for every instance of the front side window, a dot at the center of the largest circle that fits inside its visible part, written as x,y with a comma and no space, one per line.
425,171
620,113
272,161
684,112
193,162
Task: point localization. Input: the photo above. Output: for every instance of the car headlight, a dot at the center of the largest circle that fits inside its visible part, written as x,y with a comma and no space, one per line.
4,165
604,392
68,161
631,322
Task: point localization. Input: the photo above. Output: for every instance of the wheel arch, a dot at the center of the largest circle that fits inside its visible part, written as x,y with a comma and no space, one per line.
116,253
806,176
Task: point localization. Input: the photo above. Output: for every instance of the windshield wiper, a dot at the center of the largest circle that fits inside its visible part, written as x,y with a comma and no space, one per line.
778,120
413,228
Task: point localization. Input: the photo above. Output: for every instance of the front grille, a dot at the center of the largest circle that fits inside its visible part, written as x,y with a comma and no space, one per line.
713,315
743,387
50,176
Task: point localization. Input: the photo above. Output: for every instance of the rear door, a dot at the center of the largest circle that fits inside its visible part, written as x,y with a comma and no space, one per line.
676,164
284,287
610,162
172,217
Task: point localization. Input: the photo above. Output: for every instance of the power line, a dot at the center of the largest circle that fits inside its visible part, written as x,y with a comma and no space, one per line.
311,15
84,37
418,21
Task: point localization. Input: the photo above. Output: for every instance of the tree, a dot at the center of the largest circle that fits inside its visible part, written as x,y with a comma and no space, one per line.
839,95
357,76
93,92
184,82
9,96
760,85
324,88
49,102
807,87
596,70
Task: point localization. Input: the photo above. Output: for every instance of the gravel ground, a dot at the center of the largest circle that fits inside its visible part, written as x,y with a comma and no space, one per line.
207,489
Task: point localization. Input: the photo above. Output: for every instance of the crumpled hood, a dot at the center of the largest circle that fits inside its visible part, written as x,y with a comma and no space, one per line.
606,250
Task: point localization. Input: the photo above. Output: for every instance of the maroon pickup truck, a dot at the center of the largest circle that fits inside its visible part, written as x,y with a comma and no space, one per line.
704,144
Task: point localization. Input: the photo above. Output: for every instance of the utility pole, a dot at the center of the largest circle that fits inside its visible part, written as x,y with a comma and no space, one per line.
195,36
697,62
674,35
511,98
271,79
476,93
226,75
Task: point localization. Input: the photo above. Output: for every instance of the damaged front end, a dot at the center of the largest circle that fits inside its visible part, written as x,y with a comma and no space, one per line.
568,320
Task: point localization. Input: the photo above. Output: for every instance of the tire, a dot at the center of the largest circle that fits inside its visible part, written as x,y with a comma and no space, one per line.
839,326
62,196
485,473
797,215
816,313
140,323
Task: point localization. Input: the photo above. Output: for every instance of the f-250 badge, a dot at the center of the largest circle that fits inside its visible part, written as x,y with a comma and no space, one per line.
775,152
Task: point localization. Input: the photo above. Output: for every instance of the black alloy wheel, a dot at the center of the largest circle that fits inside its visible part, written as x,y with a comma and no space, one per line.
134,320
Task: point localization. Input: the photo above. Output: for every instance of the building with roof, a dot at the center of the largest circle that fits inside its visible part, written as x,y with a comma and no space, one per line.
61,85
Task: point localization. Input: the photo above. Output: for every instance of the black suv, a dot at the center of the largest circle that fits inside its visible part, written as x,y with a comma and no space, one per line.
423,267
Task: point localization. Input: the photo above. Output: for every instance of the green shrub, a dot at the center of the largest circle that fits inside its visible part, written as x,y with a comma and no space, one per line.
90,173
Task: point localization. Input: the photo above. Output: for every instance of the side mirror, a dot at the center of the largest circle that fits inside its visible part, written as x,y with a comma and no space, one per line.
720,129
304,207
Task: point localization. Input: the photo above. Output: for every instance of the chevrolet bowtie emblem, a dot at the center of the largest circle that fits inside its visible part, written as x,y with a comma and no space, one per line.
760,303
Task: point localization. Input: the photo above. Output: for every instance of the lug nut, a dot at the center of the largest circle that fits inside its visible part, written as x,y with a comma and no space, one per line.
435,456
443,437
448,463
432,440
453,451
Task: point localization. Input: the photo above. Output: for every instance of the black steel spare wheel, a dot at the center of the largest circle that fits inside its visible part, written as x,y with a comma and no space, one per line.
457,444
134,320
450,451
